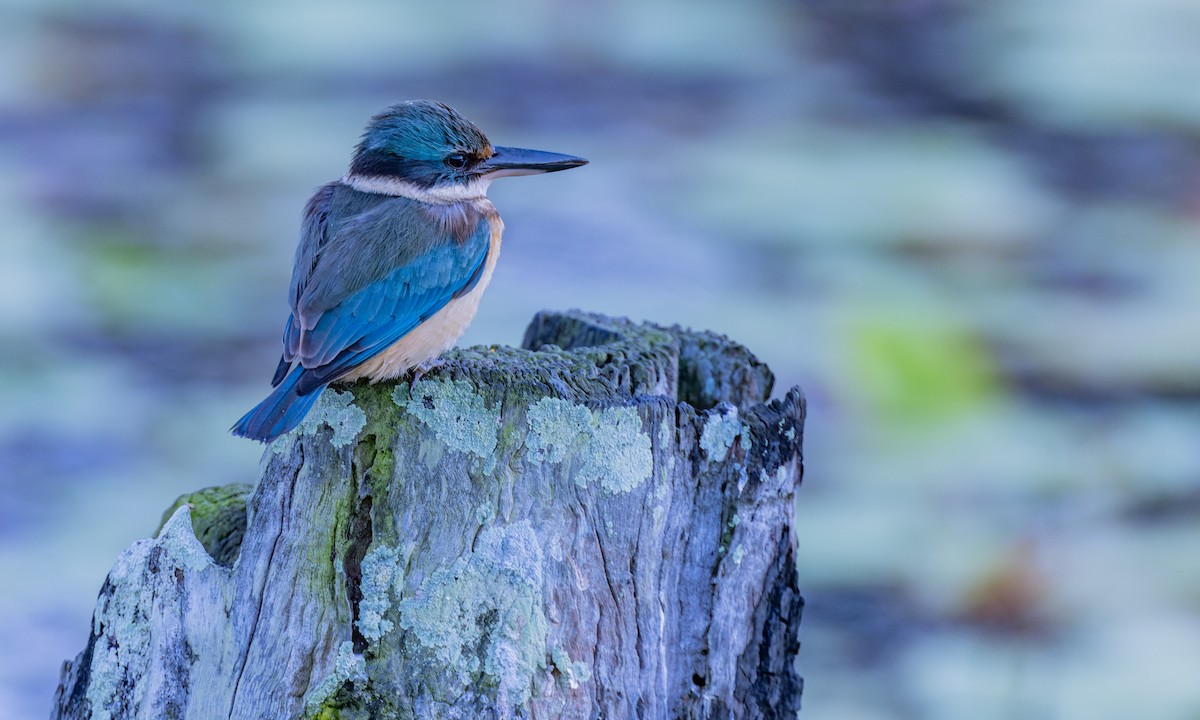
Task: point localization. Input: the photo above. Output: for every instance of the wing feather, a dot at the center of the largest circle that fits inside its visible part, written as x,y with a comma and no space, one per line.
367,272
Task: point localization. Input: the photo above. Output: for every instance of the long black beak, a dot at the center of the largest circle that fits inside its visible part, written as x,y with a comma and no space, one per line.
508,161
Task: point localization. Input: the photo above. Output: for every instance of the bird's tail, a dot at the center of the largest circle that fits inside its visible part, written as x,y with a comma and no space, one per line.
281,411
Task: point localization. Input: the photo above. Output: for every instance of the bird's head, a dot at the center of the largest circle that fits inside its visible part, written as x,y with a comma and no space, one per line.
426,150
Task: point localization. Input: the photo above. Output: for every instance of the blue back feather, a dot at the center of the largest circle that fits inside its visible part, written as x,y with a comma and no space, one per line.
369,268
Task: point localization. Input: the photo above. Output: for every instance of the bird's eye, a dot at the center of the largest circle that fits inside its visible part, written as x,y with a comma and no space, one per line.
457,161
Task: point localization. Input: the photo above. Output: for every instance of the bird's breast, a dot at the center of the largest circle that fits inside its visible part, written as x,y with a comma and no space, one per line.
437,334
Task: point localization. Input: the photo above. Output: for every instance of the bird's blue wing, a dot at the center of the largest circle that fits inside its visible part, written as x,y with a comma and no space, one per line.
375,317
314,235
376,278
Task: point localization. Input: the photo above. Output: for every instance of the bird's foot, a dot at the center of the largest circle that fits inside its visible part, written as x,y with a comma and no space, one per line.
422,368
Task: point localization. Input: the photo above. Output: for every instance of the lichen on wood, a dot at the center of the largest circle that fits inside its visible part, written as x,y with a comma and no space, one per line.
595,524
218,517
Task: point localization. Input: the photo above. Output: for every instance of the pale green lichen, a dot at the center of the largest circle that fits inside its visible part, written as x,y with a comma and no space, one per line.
456,413
737,555
720,431
664,435
218,518
338,411
666,446
573,673
609,444
776,479
379,569
661,493
348,665
482,615
123,623
555,426
178,538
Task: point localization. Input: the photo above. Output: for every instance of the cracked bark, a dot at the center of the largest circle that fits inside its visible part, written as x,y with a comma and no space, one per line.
596,525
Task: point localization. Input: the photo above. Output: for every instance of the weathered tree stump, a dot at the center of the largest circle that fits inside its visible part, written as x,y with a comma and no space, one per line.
598,525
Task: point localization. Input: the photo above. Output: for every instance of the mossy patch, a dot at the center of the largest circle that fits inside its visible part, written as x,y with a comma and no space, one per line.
609,445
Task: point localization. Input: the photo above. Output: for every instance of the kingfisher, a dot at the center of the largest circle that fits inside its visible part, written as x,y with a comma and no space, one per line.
392,258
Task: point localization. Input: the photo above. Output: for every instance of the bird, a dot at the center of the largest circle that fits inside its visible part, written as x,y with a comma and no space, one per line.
392,258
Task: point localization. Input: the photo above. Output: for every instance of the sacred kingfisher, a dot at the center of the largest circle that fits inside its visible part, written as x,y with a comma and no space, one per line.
392,258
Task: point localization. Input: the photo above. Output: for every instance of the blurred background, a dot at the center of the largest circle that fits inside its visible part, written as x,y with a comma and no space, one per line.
970,231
